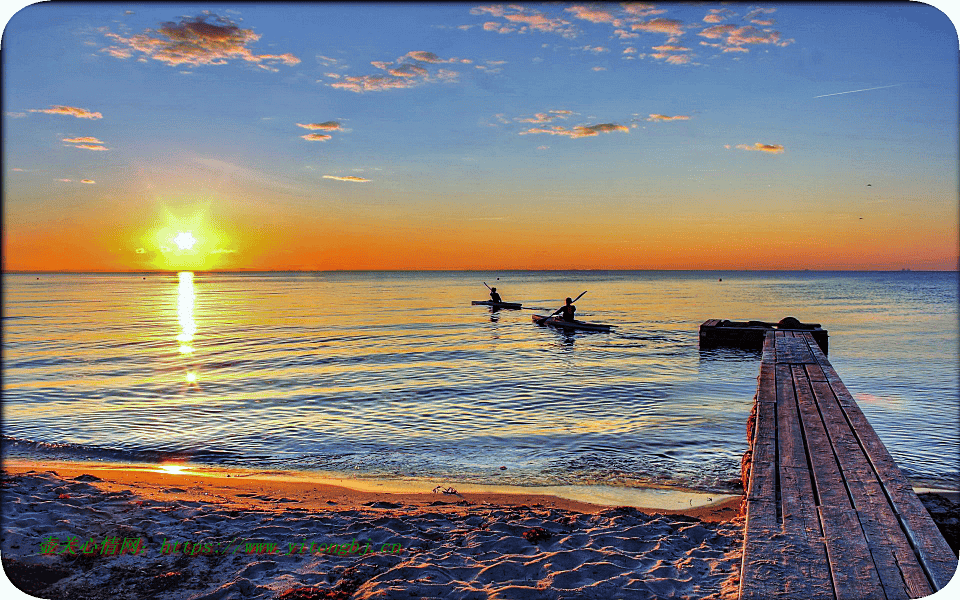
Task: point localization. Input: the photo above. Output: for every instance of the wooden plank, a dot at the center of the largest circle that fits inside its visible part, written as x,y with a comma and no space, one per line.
896,564
796,489
793,350
763,470
936,557
814,372
776,565
851,566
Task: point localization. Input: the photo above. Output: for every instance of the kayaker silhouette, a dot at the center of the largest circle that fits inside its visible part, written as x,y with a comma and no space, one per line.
567,309
494,295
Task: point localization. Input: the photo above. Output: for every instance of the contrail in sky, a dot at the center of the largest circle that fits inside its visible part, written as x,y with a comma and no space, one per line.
863,90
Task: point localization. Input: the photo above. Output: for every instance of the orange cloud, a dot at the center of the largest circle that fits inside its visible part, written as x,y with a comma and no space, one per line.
642,10
374,83
545,117
594,15
80,113
428,57
346,178
316,137
91,147
521,21
660,25
88,181
202,40
718,15
666,118
772,148
326,125
82,140
580,131
735,37
408,71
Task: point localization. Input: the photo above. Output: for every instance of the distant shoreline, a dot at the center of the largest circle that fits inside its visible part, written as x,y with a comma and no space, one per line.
256,271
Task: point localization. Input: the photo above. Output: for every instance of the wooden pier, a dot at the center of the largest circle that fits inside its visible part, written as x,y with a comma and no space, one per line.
828,512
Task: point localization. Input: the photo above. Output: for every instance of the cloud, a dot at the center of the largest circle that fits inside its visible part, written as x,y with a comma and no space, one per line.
666,118
325,126
87,181
194,41
15,115
670,48
346,178
82,140
772,148
643,10
580,131
522,20
140,250
408,71
223,251
80,113
427,57
594,15
316,137
545,117
92,147
735,37
595,49
65,180
401,74
718,15
660,25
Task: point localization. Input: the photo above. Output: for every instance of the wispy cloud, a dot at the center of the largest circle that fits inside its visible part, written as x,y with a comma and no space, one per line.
80,113
316,137
203,40
666,118
86,143
579,131
88,181
325,126
520,19
660,25
346,178
545,117
772,148
401,73
82,140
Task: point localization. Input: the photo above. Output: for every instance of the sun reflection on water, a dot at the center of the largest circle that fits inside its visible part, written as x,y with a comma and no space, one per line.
188,327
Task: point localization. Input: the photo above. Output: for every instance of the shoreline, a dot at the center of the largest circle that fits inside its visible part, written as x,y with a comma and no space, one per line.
94,532
310,489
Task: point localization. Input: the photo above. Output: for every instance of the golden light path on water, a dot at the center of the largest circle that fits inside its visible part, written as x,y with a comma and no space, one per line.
188,326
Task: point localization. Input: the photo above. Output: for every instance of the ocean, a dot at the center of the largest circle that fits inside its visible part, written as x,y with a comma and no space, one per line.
396,375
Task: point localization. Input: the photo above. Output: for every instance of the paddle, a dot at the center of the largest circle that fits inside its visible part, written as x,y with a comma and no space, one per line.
559,309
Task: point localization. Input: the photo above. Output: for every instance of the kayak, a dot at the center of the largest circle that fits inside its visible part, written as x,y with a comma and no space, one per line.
555,322
514,305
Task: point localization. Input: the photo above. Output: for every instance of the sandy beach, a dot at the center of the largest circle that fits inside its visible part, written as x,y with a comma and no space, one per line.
74,530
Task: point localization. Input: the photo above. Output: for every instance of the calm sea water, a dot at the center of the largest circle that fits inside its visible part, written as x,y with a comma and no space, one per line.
397,375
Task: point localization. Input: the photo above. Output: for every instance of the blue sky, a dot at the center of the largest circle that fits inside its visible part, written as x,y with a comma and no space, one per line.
323,136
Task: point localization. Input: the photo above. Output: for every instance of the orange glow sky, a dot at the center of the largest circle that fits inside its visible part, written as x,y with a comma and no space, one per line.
480,137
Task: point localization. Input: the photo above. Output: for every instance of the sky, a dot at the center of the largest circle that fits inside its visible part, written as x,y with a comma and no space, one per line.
250,136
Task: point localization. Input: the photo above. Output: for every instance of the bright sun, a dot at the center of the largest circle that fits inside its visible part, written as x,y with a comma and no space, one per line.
185,240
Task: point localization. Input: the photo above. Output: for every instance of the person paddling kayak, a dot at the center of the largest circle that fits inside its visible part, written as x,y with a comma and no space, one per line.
567,310
494,295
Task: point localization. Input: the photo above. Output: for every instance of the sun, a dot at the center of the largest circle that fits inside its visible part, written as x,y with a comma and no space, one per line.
185,240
